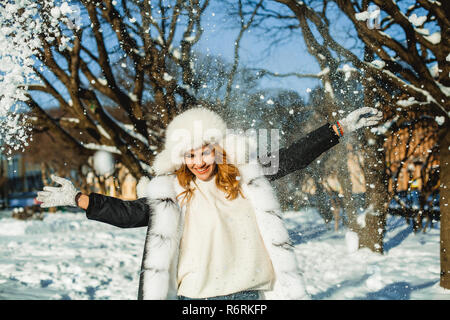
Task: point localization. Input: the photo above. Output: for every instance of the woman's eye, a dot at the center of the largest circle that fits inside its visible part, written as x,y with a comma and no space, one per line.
206,153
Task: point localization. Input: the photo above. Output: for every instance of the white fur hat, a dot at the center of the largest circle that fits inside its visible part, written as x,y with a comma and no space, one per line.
188,130
193,129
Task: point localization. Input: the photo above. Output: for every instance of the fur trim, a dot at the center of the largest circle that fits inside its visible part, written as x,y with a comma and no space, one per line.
289,283
155,280
142,186
250,173
162,241
160,261
157,188
163,164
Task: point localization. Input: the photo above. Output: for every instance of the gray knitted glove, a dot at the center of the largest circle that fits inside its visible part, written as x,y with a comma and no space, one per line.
58,196
363,117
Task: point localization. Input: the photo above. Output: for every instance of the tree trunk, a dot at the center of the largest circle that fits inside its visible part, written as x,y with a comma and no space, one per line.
23,172
444,191
372,234
347,186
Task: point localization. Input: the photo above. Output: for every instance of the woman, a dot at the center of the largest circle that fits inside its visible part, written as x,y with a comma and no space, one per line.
215,229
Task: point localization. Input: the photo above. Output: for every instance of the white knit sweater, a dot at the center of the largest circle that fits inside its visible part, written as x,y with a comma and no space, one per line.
221,250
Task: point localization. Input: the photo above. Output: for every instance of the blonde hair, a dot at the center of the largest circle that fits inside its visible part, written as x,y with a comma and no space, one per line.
225,177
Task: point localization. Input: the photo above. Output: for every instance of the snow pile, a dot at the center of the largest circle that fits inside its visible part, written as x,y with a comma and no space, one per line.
435,38
440,120
66,256
417,21
371,14
347,71
378,63
103,162
362,16
352,241
167,77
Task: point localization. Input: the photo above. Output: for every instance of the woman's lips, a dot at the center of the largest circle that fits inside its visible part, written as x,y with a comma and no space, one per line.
203,171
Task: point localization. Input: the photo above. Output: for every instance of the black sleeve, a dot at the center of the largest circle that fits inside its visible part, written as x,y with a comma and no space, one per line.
119,213
302,152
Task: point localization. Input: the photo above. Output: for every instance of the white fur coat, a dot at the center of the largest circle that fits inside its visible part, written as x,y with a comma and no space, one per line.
159,265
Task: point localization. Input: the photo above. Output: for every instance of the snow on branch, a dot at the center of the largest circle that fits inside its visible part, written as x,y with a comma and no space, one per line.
93,146
413,91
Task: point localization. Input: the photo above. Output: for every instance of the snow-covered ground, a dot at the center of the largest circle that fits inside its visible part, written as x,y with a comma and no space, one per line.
66,256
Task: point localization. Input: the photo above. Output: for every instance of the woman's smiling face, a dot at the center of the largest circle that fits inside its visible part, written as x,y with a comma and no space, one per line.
201,162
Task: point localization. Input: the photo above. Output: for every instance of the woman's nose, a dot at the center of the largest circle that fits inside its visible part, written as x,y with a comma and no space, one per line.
199,161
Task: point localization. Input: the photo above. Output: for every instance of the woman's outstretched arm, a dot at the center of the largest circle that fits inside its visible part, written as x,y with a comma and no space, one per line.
114,211
302,152
117,212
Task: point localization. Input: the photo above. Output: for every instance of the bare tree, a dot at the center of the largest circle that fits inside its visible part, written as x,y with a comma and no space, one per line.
244,26
152,42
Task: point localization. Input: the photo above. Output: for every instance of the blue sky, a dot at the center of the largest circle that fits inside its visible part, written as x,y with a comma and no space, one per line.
218,39
292,56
